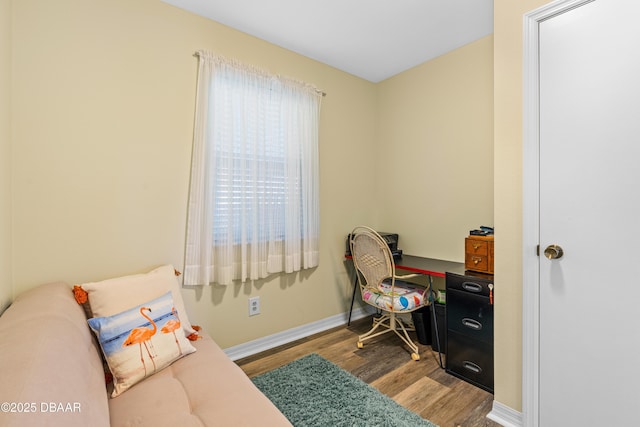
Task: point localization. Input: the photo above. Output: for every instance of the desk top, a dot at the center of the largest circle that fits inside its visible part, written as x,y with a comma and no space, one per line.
429,266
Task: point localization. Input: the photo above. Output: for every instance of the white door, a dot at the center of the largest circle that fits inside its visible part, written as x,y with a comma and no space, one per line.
589,330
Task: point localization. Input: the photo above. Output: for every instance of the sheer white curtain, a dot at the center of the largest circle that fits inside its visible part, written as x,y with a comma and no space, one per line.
254,198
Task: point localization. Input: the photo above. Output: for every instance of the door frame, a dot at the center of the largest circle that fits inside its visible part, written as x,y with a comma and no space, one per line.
531,206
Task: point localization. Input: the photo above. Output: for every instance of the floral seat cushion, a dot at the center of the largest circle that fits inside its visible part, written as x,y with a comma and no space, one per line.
406,296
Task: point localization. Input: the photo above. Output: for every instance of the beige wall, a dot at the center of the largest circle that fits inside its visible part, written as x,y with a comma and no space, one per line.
6,287
508,54
103,100
103,96
435,151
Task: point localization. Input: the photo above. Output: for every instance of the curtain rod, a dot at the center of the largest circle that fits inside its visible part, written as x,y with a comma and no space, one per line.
196,55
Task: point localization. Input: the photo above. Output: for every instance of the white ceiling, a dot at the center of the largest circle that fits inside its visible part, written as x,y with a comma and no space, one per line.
372,39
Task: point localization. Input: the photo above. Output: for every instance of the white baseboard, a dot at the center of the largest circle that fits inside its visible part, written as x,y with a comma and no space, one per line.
505,416
265,343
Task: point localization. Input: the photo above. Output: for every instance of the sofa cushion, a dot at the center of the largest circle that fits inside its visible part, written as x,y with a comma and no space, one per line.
205,388
113,296
50,361
141,341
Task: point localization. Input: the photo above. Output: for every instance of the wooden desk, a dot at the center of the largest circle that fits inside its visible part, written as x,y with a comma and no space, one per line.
426,266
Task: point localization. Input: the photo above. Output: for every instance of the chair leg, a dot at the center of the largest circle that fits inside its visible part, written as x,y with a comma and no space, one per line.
405,337
377,322
389,322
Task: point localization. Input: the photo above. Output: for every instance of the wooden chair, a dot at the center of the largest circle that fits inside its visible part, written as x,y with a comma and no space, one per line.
375,270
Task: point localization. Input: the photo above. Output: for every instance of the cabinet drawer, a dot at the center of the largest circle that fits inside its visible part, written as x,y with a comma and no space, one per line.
476,247
470,359
477,263
470,315
472,284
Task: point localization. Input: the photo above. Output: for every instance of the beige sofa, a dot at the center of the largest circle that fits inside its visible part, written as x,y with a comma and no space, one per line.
52,374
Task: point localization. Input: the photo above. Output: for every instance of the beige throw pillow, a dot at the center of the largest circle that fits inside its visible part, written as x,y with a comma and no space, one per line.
113,296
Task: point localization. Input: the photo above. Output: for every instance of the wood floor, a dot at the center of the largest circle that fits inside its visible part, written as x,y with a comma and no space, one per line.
386,364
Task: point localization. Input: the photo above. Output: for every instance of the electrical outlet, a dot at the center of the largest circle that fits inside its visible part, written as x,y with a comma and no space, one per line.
254,306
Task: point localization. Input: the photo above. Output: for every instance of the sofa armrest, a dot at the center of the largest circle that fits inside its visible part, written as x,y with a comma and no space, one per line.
49,364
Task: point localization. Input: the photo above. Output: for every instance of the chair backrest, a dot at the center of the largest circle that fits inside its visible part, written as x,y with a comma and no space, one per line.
372,257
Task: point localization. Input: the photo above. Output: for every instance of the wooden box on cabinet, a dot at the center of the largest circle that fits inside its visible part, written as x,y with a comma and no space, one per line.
478,254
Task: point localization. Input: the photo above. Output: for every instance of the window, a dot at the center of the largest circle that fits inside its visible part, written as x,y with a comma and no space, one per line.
253,203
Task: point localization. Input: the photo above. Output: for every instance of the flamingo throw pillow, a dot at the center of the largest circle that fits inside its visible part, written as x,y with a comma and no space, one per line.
141,341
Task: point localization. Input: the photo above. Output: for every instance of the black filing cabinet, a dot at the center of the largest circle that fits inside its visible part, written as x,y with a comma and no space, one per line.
470,328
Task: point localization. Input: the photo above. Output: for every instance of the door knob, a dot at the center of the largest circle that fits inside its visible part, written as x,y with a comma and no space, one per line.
553,252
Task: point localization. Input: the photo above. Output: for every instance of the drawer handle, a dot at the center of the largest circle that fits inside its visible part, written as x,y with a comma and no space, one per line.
472,287
476,246
476,260
472,324
470,366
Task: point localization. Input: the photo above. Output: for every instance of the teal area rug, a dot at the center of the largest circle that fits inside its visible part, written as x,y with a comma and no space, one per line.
312,391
